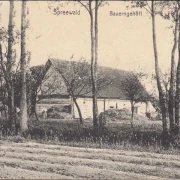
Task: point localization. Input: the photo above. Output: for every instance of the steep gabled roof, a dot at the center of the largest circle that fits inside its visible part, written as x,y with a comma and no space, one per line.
110,90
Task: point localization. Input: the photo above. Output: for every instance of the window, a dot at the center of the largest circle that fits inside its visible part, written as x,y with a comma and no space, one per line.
111,107
116,106
135,110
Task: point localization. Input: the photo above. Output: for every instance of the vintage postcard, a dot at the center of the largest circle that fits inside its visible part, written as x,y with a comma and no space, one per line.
89,89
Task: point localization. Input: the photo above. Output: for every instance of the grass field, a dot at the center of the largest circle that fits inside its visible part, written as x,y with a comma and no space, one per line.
144,133
68,150
33,160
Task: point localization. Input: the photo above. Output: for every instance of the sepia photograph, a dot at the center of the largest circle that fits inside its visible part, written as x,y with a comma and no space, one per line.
90,89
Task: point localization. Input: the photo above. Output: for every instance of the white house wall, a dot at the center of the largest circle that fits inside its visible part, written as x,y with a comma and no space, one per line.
151,109
85,105
141,108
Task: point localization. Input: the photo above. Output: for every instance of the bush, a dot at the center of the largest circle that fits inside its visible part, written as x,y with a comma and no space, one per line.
60,112
65,131
71,132
17,139
120,114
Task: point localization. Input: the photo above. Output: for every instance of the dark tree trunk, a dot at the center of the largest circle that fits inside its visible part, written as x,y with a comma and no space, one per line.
10,62
23,103
162,96
177,101
132,113
93,65
32,103
79,111
5,110
177,97
171,103
32,110
95,106
35,113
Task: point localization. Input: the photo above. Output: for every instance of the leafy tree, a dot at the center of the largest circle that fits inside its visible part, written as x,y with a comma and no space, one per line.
133,90
34,79
8,38
77,77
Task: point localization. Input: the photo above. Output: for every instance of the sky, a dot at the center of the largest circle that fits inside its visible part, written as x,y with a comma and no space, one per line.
124,42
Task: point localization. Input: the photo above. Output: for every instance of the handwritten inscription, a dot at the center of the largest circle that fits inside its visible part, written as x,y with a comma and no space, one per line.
126,14
59,12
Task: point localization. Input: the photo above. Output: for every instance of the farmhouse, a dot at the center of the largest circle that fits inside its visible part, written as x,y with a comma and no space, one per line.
53,92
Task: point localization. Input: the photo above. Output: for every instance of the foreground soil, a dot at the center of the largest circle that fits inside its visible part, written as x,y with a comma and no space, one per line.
41,161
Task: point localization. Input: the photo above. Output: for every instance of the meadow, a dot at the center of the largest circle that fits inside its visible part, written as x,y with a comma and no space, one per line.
143,136
64,149
30,160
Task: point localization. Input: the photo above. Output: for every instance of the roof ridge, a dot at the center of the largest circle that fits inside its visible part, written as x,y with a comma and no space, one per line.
106,67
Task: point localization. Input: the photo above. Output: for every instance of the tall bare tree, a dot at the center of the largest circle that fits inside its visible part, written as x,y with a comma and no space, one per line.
10,61
93,8
23,103
171,10
177,98
171,104
162,96
8,39
170,107
161,90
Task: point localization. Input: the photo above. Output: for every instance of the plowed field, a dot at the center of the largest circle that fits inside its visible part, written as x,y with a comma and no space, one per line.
41,161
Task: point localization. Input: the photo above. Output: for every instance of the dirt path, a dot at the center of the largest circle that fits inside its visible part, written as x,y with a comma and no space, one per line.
33,161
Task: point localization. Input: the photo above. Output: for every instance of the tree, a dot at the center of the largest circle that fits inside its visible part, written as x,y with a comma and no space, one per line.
10,62
92,7
34,79
177,98
77,77
152,10
8,39
173,12
133,90
23,103
162,96
173,73
93,13
170,10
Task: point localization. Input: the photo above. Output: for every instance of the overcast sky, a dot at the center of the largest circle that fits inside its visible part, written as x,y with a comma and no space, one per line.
124,42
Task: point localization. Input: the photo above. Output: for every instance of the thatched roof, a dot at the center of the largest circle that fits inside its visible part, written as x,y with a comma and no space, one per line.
111,90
